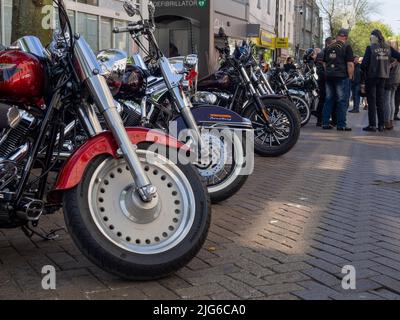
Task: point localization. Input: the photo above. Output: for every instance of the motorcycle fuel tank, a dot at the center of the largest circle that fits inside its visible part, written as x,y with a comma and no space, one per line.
22,77
219,80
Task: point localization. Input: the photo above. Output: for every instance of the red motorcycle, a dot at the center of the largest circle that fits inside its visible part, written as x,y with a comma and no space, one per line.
130,210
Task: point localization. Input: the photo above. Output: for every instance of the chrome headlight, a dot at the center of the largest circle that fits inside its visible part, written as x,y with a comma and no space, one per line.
113,63
203,97
191,61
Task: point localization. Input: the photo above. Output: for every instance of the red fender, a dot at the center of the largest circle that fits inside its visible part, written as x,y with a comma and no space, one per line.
104,143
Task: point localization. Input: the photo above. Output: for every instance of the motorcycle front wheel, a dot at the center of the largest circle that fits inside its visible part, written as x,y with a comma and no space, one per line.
284,132
225,172
132,239
304,109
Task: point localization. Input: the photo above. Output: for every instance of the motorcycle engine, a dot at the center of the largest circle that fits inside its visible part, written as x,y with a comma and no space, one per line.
14,147
132,114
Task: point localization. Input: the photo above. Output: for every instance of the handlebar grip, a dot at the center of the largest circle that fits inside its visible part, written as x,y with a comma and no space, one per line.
132,28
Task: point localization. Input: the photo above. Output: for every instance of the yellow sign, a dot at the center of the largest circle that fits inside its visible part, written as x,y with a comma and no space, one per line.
281,43
266,40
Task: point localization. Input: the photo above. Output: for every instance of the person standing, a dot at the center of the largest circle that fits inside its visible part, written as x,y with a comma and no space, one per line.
390,94
356,86
376,65
397,102
289,65
339,66
322,80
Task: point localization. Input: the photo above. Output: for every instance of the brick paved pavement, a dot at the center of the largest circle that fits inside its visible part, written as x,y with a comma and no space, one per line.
333,201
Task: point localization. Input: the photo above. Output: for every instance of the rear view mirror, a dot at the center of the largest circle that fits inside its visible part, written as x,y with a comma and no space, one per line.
130,8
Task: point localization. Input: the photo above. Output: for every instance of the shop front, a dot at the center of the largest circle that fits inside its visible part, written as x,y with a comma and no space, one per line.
192,26
183,27
264,41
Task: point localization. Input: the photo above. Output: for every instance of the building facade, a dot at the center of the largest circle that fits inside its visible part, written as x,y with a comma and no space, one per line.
95,19
308,26
261,28
285,25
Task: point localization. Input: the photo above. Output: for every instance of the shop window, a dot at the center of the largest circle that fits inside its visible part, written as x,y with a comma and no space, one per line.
105,32
88,26
91,2
7,23
121,39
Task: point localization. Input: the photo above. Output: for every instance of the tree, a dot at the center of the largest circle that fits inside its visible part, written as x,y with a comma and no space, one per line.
345,13
360,34
32,17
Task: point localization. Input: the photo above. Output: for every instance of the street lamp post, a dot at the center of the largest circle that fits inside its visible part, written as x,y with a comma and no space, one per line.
299,10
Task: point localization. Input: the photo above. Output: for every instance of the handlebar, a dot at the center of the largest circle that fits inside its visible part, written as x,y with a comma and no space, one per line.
130,28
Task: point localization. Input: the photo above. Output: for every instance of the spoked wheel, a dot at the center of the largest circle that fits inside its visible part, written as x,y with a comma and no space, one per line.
224,172
284,130
304,109
131,238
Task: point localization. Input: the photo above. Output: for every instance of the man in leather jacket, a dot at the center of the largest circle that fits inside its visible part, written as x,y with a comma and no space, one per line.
376,65
339,66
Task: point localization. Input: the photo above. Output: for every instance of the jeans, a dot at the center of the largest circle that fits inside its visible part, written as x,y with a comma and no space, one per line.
322,95
390,103
337,91
356,90
376,101
397,102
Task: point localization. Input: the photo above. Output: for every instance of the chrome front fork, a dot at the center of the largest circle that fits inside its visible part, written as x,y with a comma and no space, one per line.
87,70
106,104
182,101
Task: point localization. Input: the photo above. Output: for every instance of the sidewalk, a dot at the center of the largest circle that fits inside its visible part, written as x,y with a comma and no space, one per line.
333,201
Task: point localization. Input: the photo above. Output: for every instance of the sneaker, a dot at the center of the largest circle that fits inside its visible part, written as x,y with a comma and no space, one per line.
354,111
369,129
381,129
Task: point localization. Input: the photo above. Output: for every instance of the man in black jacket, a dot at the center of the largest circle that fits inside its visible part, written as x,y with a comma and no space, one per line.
339,66
376,65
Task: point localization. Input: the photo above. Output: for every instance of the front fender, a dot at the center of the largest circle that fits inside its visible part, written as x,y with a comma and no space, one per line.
102,144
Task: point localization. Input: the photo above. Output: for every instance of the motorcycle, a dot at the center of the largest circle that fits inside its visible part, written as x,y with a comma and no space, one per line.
131,211
152,94
275,120
284,83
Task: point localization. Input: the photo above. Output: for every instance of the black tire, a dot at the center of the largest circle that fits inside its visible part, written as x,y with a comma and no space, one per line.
227,193
289,110
233,188
123,263
303,108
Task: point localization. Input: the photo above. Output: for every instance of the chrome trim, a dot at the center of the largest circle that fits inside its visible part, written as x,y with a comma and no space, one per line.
138,61
21,152
85,61
32,45
89,120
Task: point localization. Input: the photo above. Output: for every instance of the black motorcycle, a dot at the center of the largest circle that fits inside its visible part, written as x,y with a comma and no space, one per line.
275,119
292,86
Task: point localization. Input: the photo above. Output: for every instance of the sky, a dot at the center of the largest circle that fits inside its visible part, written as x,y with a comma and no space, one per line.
389,13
